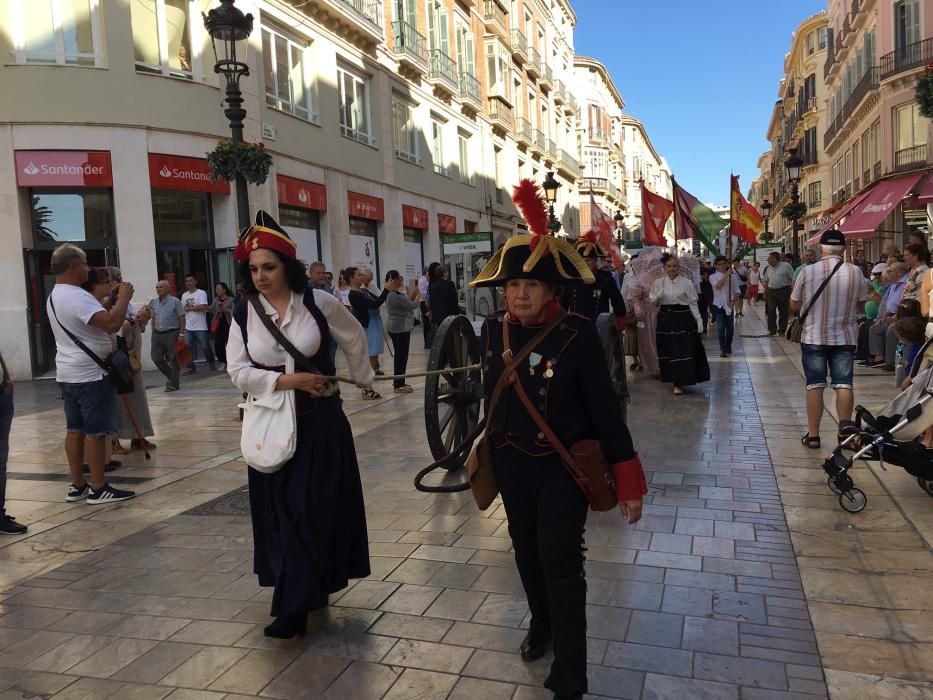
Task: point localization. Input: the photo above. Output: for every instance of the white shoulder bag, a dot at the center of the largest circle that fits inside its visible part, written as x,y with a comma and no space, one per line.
269,427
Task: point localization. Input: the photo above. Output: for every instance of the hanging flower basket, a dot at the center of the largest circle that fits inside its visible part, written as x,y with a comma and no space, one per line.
924,92
794,211
228,159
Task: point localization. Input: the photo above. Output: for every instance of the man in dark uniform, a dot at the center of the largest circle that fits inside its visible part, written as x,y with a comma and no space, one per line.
591,300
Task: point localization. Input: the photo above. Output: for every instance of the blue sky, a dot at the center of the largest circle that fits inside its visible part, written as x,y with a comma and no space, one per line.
701,76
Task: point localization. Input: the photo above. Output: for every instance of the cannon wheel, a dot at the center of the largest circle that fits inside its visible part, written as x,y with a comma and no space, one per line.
452,399
615,359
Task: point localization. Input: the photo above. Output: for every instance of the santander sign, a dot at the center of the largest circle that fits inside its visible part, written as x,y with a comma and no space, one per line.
63,169
183,173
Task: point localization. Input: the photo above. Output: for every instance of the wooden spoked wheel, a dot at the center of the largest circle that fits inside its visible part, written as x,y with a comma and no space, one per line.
452,399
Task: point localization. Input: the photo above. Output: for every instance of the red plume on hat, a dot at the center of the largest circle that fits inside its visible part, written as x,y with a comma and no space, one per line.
531,204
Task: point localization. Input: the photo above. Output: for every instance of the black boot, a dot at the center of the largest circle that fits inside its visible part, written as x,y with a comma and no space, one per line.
534,646
288,626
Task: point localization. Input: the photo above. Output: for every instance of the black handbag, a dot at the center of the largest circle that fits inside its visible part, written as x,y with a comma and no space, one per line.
116,365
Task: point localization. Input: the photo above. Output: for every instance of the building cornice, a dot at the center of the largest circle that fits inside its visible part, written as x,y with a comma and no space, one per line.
817,21
630,120
593,64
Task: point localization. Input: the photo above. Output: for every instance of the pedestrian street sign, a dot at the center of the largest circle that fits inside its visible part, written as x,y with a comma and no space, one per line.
453,243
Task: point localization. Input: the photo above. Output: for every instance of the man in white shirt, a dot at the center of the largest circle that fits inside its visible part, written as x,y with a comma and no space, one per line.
726,285
90,397
194,301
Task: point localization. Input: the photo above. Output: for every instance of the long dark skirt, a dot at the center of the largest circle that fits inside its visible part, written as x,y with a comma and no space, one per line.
681,357
309,522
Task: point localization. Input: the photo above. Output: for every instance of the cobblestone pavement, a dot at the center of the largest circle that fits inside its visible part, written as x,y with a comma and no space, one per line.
702,599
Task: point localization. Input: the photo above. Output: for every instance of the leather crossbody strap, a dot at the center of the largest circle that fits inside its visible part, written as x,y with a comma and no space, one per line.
803,316
568,460
301,361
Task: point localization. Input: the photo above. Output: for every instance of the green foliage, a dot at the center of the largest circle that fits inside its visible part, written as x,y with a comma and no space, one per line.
924,92
794,211
766,237
41,218
228,159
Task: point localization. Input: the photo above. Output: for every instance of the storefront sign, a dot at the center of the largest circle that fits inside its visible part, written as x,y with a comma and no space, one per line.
183,173
466,243
63,169
301,193
413,217
446,223
365,207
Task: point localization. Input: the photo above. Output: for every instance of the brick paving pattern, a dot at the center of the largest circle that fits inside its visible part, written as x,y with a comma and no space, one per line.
702,599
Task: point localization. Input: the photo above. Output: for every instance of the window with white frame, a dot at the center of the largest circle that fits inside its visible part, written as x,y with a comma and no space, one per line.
910,130
287,70
437,147
354,107
811,43
466,175
815,195
498,69
822,37
169,36
64,32
406,135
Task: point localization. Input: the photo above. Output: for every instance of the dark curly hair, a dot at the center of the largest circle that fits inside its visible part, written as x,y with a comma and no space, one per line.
295,275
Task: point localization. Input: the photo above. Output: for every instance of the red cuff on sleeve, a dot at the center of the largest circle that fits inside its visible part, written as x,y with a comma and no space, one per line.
622,321
630,479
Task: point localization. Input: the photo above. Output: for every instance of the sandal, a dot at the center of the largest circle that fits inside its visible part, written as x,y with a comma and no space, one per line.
371,394
812,442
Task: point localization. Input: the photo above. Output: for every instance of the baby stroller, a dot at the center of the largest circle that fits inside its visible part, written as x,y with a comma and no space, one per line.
891,436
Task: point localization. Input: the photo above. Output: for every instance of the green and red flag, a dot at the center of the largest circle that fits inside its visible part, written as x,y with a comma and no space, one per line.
695,220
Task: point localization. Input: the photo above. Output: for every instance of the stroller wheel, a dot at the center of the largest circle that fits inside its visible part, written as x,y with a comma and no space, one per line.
853,501
926,484
831,482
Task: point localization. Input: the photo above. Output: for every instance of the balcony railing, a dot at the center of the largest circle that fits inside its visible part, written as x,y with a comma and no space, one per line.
547,75
540,140
409,43
470,90
907,58
809,157
534,62
367,10
494,14
500,113
444,69
560,91
523,130
910,157
596,133
830,54
551,150
519,46
568,160
868,82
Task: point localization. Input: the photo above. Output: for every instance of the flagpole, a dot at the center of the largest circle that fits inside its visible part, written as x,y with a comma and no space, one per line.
731,220
674,200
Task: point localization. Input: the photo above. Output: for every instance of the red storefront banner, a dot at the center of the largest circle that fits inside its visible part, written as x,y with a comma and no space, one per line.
446,223
301,193
413,217
365,207
63,169
183,173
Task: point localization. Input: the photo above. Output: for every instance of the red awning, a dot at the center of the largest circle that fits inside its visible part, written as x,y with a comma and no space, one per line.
301,193
877,206
925,189
838,212
414,217
446,223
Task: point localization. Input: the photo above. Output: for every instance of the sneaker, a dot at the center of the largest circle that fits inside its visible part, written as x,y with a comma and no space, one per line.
78,493
171,387
9,526
108,494
404,389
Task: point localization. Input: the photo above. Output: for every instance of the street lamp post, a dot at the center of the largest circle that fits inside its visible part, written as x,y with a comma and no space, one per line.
793,164
229,27
766,211
550,186
618,218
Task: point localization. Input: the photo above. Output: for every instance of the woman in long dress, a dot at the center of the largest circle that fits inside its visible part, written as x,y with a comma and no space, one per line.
681,357
309,521
646,316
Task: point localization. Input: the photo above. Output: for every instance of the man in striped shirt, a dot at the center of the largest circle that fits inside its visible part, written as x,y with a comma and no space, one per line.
830,332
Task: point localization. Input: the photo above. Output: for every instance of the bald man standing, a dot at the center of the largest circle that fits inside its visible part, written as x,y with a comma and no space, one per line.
168,325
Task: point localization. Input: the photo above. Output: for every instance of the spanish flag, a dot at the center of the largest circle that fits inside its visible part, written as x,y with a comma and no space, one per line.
745,220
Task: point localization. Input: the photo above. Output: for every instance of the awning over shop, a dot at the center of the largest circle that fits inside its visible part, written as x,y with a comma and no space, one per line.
925,189
837,213
877,206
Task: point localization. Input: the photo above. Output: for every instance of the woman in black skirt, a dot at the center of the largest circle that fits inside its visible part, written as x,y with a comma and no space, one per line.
309,522
681,357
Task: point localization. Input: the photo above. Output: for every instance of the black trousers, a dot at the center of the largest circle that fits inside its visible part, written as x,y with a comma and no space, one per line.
401,343
777,303
547,514
426,328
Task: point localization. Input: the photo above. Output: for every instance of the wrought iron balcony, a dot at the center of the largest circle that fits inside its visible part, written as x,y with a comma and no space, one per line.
367,10
551,149
534,63
409,46
597,134
470,90
540,141
547,76
568,164
560,92
570,106
523,131
500,114
444,71
519,46
907,58
912,157
867,84
495,17
364,17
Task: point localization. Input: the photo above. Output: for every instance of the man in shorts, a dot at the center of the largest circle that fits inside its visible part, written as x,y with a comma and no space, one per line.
830,331
90,397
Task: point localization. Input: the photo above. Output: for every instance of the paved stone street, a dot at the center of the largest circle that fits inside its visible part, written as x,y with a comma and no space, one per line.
742,552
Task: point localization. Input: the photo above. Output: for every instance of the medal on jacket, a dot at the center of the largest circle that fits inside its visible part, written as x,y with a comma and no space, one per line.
549,372
534,359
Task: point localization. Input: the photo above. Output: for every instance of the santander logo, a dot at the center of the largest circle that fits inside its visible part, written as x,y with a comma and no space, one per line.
31,169
302,195
183,174
165,172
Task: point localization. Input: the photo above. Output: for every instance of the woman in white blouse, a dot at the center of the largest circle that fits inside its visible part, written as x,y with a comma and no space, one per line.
309,521
681,357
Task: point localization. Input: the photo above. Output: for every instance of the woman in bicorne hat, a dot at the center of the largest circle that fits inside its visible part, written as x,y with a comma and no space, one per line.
309,522
567,381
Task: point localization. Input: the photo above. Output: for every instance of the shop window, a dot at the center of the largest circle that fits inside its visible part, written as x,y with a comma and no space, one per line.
169,36
64,32
181,217
353,96
406,135
60,216
287,70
